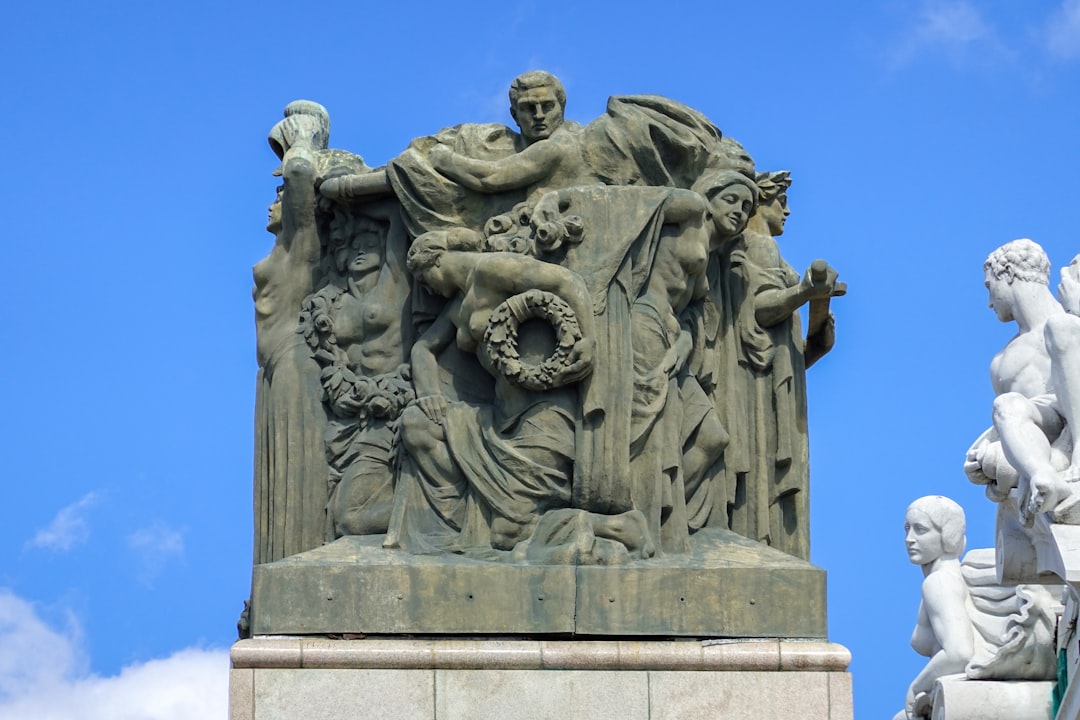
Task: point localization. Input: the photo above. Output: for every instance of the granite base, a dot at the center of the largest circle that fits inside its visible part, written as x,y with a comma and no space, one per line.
316,679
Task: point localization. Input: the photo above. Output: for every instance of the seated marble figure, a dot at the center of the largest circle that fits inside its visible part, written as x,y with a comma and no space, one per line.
967,623
1036,378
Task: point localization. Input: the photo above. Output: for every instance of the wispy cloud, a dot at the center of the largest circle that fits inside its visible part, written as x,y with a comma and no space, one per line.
42,675
954,28
1063,31
68,529
155,547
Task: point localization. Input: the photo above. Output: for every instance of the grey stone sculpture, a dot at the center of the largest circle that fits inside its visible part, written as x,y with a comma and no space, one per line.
968,623
562,345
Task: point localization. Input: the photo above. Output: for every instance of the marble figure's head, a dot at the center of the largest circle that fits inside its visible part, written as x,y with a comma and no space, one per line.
934,527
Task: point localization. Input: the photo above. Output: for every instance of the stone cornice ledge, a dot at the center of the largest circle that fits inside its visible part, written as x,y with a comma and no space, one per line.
494,654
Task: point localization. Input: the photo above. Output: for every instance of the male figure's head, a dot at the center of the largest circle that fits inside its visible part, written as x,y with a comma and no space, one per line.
1014,263
537,104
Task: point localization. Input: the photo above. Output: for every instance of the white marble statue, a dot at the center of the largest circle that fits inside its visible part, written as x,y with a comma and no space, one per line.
969,625
1037,381
934,535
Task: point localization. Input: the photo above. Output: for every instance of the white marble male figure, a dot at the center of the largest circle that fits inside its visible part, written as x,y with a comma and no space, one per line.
1037,381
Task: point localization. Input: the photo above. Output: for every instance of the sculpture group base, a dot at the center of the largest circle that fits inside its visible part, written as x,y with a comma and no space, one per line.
291,677
957,698
727,586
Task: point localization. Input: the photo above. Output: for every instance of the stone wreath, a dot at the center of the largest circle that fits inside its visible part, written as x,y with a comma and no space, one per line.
501,338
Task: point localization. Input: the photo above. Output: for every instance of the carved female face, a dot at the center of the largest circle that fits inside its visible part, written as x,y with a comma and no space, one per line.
730,207
436,279
775,213
273,220
922,537
367,252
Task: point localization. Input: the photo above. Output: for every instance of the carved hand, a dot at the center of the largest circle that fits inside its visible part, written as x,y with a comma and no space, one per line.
300,130
1069,288
580,363
677,355
817,283
973,466
434,406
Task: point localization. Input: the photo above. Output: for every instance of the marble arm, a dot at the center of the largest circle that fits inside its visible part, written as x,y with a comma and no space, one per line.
946,612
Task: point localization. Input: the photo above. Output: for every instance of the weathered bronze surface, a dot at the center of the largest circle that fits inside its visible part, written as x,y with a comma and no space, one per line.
726,587
539,381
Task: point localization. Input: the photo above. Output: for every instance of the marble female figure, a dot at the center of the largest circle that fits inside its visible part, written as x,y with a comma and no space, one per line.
934,535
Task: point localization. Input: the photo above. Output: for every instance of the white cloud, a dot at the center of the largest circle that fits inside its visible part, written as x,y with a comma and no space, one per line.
954,23
1063,31
953,27
68,529
43,676
155,547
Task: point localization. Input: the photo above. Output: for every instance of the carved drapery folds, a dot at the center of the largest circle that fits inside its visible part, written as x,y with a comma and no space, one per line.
531,346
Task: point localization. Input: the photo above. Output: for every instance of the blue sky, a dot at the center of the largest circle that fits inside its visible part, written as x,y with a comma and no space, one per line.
921,134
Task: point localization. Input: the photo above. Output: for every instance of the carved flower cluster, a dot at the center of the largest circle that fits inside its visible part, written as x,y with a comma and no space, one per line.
519,231
382,396
501,338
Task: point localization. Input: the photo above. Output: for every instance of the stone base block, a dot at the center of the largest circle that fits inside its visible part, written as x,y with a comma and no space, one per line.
727,586
957,698
279,678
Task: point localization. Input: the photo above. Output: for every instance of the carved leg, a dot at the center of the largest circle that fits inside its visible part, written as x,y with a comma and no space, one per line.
1024,427
629,528
425,441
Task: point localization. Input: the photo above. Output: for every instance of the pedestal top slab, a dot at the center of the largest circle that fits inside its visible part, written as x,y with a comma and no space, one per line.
727,586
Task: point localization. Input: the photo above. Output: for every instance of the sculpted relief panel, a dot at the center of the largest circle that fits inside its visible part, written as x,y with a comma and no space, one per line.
562,345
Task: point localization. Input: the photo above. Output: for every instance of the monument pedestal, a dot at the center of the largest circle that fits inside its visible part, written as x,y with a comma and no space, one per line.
727,586
274,678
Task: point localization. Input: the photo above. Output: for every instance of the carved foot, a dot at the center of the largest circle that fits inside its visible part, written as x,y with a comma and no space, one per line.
629,528
638,541
1049,492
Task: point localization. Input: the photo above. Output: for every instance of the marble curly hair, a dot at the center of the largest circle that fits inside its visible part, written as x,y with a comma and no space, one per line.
1019,260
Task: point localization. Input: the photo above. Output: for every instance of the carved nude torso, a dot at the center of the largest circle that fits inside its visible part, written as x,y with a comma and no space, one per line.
1023,366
